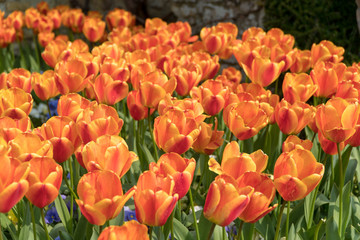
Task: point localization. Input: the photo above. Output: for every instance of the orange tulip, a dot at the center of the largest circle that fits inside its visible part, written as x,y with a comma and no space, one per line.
93,29
98,120
326,76
108,152
3,80
44,85
28,145
231,77
235,164
45,24
326,51
136,109
349,89
181,169
45,38
354,140
154,198
10,128
75,20
296,174
20,78
98,200
245,119
44,181
32,17
328,146
119,18
186,78
13,183
108,90
302,61
298,87
71,76
209,64
53,49
63,135
225,201
15,103
129,230
212,96
337,119
293,142
209,139
16,19
264,193
173,132
55,17
71,105
292,118
42,7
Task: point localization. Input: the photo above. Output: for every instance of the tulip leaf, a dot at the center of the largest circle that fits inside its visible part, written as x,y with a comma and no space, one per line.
345,156
356,212
347,202
81,226
332,229
26,232
63,212
265,227
65,235
180,231
55,231
6,223
354,233
292,233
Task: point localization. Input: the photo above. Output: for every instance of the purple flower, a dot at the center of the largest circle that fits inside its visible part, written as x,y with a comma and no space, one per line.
129,214
52,215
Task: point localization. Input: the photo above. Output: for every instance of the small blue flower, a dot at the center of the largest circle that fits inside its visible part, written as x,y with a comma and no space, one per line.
52,215
53,106
129,214
57,238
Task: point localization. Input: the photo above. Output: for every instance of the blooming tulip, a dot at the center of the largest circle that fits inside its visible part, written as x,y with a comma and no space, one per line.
292,142
15,103
129,230
326,51
209,139
298,87
20,78
71,105
44,85
93,29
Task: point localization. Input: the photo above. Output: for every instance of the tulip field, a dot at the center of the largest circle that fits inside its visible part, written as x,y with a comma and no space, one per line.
112,130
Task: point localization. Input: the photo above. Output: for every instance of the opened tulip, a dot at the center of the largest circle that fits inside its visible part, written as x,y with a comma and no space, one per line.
154,198
71,105
326,51
292,142
296,174
63,135
10,128
119,18
209,139
101,196
20,78
225,201
264,193
15,103
302,61
51,54
108,152
337,119
129,230
13,183
44,181
181,169
44,85
235,164
298,87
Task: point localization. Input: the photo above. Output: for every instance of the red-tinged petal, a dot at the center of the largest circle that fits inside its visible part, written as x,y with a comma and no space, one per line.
12,194
290,188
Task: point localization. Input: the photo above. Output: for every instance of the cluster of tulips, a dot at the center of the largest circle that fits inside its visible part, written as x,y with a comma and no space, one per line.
114,81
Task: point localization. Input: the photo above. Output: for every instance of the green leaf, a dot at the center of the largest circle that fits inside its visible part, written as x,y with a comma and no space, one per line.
65,236
332,230
345,161
80,228
292,233
346,209
119,220
63,212
55,231
356,212
180,231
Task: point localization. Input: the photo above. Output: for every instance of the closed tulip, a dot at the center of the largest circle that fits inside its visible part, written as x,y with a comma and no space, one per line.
186,78
181,169
44,85
154,198
71,105
296,174
101,196
44,181
129,230
93,29
298,87
52,52
13,183
20,78
225,201
108,152
292,142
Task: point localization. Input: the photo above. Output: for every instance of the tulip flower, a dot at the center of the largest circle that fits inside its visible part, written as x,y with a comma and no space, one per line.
63,135
71,105
129,230
235,164
302,61
28,145
154,198
20,78
291,119
173,132
10,128
296,174
119,18
53,49
32,17
264,193
329,147
44,181
108,152
15,103
209,139
93,29
186,78
209,64
181,169
326,51
101,196
298,87
136,109
44,85
55,17
225,201
337,119
13,183
292,142
245,119
98,120
16,19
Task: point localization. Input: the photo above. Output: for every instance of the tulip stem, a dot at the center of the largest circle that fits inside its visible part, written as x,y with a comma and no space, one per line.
223,233
287,220
238,237
172,225
152,135
279,220
44,223
211,231
150,232
72,186
194,215
33,220
48,107
340,189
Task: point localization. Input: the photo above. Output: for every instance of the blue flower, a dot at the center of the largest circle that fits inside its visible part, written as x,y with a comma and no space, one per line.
52,215
129,214
53,106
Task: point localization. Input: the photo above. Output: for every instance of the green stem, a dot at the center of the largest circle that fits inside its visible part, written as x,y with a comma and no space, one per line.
224,233
211,231
287,220
317,229
44,223
340,188
205,167
36,50
194,215
238,237
279,221
313,138
72,186
152,135
33,220
150,232
48,107
172,224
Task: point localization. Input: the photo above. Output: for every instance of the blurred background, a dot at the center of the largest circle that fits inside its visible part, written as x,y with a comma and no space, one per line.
310,21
